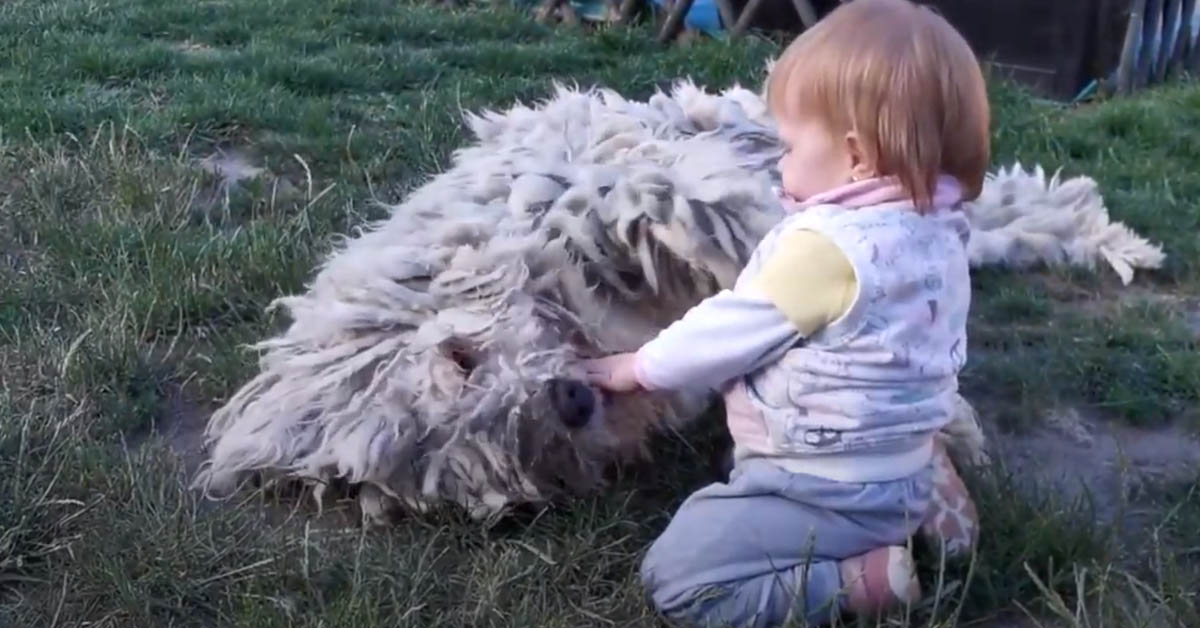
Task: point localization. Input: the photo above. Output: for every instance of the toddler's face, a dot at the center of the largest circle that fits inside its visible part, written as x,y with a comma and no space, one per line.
816,161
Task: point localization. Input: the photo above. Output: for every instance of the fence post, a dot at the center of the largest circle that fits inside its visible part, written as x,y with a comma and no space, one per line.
1170,39
1151,29
1186,14
804,9
1192,58
1129,52
743,21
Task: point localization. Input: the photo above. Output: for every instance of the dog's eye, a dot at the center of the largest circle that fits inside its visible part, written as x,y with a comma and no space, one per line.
464,359
632,280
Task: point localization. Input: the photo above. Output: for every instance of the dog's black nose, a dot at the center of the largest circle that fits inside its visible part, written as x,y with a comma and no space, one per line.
573,401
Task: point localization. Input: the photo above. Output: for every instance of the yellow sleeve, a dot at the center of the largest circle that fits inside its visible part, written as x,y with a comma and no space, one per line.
809,279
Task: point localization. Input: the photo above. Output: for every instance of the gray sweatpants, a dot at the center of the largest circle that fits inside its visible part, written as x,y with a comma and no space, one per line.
764,548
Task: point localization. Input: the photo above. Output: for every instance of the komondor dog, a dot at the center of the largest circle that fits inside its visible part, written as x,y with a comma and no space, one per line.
435,356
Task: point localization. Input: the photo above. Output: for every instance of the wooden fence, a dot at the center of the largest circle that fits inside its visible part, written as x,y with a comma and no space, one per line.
1161,42
1109,46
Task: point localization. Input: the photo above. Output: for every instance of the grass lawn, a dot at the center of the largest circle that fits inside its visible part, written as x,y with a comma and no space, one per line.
130,276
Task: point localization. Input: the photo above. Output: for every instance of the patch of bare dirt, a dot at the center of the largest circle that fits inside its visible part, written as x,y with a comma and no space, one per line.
233,171
17,259
1192,318
13,259
178,428
195,48
181,429
1109,463
1071,298
231,166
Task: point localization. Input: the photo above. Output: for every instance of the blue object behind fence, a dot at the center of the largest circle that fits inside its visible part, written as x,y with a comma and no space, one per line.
703,16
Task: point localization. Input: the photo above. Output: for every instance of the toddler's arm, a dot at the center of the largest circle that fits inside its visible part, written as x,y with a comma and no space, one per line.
725,336
805,284
721,337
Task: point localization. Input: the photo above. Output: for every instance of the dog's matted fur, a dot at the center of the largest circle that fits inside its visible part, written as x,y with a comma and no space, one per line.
435,355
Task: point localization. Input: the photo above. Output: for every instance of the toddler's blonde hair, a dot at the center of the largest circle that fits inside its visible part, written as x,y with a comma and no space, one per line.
904,80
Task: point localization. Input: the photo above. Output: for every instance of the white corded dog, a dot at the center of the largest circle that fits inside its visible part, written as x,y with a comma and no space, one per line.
436,355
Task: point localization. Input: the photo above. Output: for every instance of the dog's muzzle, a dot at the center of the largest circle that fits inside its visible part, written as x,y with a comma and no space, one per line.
573,401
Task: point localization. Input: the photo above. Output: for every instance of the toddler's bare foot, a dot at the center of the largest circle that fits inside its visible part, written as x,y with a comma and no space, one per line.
952,522
879,581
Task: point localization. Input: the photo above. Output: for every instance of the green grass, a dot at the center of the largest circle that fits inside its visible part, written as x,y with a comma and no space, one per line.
125,295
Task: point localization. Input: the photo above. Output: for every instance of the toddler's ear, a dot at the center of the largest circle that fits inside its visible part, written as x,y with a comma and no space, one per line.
860,162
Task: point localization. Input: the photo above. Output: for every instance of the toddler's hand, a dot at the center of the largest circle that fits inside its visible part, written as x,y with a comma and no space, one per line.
614,373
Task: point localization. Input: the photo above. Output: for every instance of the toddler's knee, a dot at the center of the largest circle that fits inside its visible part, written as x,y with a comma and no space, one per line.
660,572
701,606
656,570
670,564
663,578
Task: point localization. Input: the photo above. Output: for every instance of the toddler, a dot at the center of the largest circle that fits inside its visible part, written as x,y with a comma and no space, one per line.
839,347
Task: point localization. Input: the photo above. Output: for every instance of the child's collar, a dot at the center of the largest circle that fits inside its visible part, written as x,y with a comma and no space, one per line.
876,191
